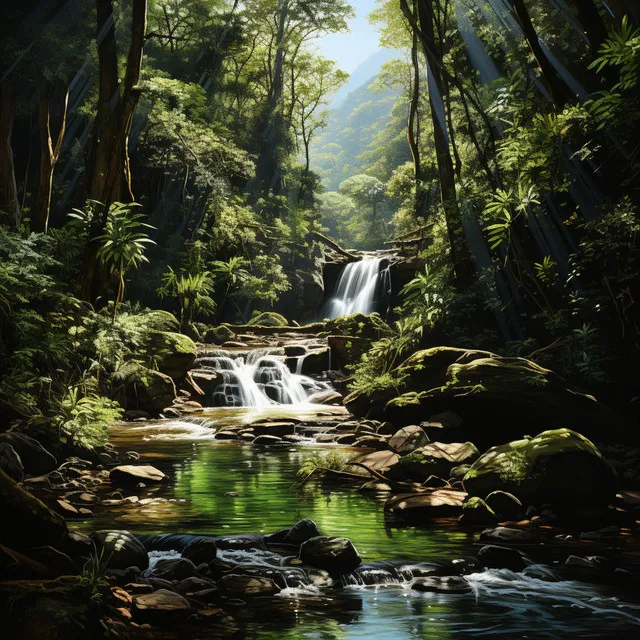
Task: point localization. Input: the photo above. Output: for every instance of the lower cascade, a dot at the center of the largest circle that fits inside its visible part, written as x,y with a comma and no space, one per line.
257,378
360,286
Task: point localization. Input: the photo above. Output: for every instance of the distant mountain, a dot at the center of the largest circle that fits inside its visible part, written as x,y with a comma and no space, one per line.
362,73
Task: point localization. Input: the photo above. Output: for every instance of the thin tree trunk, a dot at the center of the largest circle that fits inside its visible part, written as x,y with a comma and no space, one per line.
49,154
9,202
108,167
558,90
592,24
463,265
413,112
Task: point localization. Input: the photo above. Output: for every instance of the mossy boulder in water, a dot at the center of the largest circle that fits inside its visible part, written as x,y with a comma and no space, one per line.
497,398
174,353
268,319
149,390
333,554
219,335
559,467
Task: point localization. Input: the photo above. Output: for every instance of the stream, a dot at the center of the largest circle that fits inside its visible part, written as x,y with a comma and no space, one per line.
224,488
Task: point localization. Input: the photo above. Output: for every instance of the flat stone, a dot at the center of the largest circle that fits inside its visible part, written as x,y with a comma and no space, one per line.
408,439
380,461
438,503
132,474
508,535
441,584
161,606
248,586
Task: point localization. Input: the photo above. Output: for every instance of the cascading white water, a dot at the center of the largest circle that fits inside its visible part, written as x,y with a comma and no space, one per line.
256,379
356,289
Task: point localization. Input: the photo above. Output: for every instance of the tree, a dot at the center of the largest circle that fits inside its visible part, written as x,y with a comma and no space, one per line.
9,203
368,193
108,166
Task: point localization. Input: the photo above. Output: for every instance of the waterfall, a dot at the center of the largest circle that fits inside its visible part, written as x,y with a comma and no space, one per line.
357,287
256,378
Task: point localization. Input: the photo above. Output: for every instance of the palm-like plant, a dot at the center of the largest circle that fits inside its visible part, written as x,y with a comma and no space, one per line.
193,292
231,272
123,244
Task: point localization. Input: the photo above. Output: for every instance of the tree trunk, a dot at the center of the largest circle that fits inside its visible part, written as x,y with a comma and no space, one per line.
48,155
108,166
558,90
413,110
592,24
9,203
463,265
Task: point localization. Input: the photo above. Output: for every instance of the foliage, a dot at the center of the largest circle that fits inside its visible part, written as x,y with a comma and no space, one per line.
193,293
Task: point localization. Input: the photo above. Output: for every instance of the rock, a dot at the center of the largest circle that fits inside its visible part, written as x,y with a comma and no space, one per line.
505,505
559,468
266,440
498,398
33,524
441,584
150,391
325,397
200,550
381,461
160,607
10,462
493,556
436,458
65,508
35,459
371,442
268,319
194,583
301,532
373,486
121,548
78,545
247,586
475,512
408,439
458,472
219,335
508,535
132,474
275,428
175,353
438,503
333,554
136,414
174,569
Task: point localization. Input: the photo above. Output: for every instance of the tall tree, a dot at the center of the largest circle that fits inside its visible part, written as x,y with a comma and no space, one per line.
9,204
108,167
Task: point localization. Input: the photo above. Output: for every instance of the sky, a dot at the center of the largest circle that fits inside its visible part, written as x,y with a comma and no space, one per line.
351,49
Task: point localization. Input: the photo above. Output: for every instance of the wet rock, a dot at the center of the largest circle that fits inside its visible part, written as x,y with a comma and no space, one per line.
301,532
226,435
160,607
476,512
235,543
438,503
10,462
346,438
35,459
508,535
267,440
200,550
371,442
493,556
559,468
193,584
219,335
374,486
441,584
325,397
606,532
136,414
381,461
408,439
242,586
218,568
174,569
436,458
32,522
122,549
276,428
132,474
175,353
333,554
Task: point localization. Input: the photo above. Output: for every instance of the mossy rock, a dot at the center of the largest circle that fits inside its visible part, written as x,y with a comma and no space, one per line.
558,467
149,390
174,352
498,398
219,335
268,319
368,327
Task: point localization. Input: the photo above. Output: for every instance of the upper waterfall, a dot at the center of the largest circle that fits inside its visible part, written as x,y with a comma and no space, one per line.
357,288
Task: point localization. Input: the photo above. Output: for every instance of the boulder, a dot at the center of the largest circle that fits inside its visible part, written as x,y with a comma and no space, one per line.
435,458
121,548
325,397
194,583
497,398
275,428
381,461
476,512
509,535
441,584
408,439
175,353
268,319
174,569
437,503
200,550
301,532
219,335
27,522
161,607
493,556
150,391
10,462
35,459
559,468
505,505
242,586
333,554
127,475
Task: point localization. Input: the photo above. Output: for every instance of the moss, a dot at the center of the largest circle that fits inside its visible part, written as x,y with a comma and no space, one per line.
268,319
370,327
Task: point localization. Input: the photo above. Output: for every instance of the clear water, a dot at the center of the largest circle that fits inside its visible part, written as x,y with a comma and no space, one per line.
502,605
